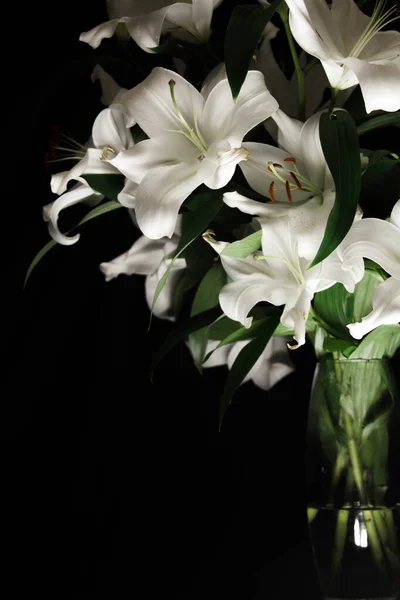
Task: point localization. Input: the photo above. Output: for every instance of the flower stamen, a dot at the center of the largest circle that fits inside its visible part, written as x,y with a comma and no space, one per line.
379,19
271,191
105,151
288,192
295,179
193,135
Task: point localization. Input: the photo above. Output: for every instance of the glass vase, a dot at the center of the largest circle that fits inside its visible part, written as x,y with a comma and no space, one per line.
353,479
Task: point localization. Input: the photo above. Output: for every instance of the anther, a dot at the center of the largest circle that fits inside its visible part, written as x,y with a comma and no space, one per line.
271,191
288,192
297,182
290,159
105,151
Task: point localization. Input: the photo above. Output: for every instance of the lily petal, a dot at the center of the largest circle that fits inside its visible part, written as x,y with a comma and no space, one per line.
160,195
127,196
311,25
395,214
289,133
232,120
136,162
95,36
295,313
110,129
239,297
145,29
385,45
385,309
82,192
90,164
380,83
202,15
349,22
143,258
377,240
151,104
109,87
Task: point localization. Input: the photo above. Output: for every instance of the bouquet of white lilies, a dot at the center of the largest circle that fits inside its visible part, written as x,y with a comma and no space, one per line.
266,220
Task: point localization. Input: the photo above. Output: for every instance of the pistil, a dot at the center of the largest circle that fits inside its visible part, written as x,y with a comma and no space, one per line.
193,135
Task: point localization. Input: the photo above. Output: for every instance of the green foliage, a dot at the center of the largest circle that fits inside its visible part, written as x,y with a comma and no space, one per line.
194,223
337,307
242,35
247,358
340,146
378,122
244,247
108,185
206,297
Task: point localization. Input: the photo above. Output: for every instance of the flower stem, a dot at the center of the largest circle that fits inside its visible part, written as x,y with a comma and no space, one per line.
357,473
298,69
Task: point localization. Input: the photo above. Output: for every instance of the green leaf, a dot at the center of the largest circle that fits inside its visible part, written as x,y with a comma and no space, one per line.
381,179
193,225
246,359
207,296
283,331
384,341
199,257
339,142
384,120
375,156
102,209
180,333
222,327
108,185
240,333
242,35
338,345
337,308
244,247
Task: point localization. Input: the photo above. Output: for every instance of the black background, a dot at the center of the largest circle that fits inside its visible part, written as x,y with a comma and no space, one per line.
114,487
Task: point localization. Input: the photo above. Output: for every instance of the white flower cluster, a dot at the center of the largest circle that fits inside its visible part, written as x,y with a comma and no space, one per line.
198,137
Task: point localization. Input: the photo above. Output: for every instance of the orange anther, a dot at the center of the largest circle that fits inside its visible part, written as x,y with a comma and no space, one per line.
297,182
289,159
271,191
289,193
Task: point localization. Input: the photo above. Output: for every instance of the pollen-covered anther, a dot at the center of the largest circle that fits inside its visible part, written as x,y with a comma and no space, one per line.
288,192
208,233
295,179
105,151
272,166
271,191
290,159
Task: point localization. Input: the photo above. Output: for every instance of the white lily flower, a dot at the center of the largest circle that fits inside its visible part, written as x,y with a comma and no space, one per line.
146,20
280,274
272,365
351,47
110,135
195,138
378,240
296,178
151,258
